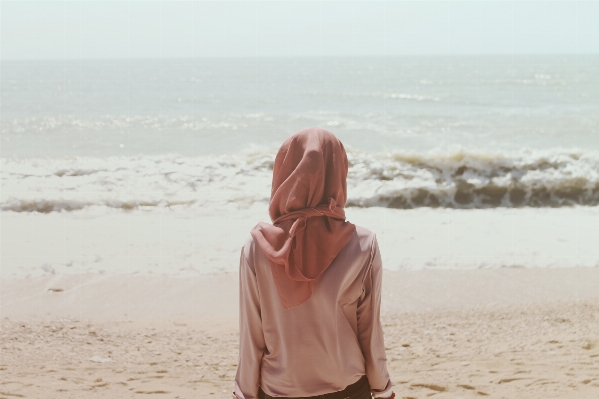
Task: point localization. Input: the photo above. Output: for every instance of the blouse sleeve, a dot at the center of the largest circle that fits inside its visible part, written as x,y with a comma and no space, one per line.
251,337
370,331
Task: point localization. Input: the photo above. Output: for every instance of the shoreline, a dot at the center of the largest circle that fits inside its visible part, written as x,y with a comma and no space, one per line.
189,243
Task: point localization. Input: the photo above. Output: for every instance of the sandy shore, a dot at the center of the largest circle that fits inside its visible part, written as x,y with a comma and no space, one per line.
503,333
533,351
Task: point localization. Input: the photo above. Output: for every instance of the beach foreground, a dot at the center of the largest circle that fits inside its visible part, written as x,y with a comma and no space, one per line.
447,333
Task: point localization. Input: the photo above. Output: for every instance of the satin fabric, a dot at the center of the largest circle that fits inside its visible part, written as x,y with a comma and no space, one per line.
322,346
309,191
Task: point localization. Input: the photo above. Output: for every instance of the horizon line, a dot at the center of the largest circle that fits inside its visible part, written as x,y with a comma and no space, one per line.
301,56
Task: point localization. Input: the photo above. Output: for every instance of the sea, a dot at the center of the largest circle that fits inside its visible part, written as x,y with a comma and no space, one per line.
435,132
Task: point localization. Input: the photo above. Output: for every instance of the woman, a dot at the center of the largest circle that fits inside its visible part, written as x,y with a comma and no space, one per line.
310,286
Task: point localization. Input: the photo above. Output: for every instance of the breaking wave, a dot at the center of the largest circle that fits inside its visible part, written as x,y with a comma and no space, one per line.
450,179
472,179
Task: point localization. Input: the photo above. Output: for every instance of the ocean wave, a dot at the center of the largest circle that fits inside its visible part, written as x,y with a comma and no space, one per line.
476,179
450,179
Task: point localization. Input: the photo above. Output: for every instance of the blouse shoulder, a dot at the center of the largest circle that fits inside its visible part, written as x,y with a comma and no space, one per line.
365,238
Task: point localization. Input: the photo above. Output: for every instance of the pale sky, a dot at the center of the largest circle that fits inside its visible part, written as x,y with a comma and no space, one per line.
182,29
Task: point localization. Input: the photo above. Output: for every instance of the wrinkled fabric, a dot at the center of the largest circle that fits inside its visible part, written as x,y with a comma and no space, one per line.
309,229
329,342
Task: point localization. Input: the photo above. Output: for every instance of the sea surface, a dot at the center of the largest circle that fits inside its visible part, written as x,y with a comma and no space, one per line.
163,166
426,131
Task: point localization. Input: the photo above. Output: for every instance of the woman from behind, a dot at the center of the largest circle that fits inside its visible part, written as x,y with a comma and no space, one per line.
310,286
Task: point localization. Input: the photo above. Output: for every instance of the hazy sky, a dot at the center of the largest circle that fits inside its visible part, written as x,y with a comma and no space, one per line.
119,29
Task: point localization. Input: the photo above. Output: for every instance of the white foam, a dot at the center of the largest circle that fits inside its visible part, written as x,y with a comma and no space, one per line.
452,179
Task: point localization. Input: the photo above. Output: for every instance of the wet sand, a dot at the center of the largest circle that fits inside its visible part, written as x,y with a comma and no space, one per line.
185,243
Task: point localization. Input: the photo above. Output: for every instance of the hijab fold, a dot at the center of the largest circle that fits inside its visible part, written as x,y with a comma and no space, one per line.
309,190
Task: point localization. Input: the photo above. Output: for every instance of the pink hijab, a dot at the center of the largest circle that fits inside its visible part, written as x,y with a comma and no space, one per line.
309,191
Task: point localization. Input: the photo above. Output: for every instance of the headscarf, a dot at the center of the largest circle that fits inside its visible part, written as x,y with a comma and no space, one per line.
309,190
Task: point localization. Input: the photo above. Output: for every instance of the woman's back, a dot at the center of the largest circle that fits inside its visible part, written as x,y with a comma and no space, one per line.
310,284
323,345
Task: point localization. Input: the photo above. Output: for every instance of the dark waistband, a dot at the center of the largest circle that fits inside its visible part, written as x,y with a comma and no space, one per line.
361,384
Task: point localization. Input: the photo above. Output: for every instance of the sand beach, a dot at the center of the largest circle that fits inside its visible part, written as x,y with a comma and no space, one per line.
128,187
95,336
111,305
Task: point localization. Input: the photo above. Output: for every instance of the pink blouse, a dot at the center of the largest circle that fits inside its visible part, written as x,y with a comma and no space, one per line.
322,345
